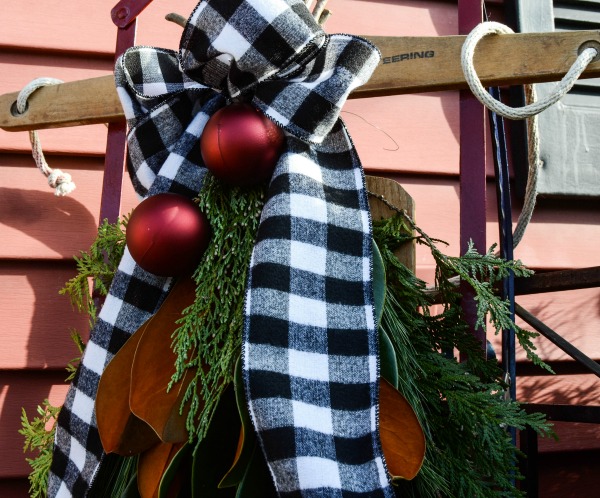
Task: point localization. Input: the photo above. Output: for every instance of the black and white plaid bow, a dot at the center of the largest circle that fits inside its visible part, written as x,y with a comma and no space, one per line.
309,340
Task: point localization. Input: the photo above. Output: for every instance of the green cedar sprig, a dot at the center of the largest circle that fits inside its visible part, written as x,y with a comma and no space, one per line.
480,271
99,265
39,436
74,363
461,405
209,337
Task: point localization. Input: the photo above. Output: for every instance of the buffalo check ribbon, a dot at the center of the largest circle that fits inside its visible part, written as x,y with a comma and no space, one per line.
310,351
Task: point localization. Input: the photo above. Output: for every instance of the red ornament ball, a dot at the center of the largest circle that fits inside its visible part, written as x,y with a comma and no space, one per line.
240,145
167,235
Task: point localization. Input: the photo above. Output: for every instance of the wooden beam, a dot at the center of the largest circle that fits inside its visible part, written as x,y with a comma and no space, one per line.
472,158
409,65
553,281
427,64
75,103
588,414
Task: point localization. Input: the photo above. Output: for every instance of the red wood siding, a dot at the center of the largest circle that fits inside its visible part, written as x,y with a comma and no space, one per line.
39,233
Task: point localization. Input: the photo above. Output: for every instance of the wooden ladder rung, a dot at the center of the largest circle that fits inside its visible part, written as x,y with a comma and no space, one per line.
561,280
409,65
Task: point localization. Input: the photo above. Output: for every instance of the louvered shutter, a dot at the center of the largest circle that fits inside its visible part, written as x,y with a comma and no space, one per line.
569,130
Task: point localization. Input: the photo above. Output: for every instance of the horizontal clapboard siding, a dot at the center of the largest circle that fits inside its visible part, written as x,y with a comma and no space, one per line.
40,233
413,139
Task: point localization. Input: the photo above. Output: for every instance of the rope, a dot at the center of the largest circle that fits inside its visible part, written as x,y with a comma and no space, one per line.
535,164
61,182
468,51
530,111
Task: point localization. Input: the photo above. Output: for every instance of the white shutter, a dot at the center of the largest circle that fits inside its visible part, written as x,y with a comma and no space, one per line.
569,130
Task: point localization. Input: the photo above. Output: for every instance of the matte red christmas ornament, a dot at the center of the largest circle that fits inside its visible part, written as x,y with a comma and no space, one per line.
167,235
240,145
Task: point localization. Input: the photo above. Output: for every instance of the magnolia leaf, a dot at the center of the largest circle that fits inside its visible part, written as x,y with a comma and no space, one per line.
170,480
152,464
402,437
212,457
388,363
257,479
120,430
387,355
154,365
378,282
247,439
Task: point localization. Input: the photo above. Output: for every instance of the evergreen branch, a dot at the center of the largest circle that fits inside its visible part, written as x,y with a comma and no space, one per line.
209,338
481,272
461,405
98,265
74,363
39,437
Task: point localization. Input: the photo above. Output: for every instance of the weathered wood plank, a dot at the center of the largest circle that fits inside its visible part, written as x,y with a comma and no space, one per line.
409,65
547,244
87,28
407,133
37,320
568,474
581,278
573,314
559,340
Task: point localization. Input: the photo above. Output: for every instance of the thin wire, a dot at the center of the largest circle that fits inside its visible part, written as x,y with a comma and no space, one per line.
377,128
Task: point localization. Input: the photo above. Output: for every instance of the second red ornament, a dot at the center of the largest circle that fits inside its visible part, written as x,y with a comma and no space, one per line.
167,234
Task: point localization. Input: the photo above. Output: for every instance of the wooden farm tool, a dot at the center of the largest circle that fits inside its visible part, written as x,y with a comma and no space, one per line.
409,65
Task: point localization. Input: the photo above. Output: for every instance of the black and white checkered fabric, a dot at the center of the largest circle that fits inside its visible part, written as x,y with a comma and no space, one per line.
310,343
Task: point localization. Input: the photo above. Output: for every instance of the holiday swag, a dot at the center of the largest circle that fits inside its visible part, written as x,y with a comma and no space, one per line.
310,350
253,338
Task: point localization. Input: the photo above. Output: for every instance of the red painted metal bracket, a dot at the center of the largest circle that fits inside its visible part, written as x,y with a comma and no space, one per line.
126,11
124,15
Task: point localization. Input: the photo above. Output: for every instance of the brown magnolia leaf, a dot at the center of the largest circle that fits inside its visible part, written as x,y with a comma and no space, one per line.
402,437
154,365
120,430
152,465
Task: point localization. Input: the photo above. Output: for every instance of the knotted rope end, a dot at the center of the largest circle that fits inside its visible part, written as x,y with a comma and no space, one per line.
61,183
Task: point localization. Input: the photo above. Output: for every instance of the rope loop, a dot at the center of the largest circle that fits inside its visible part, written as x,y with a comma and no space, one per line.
468,50
61,182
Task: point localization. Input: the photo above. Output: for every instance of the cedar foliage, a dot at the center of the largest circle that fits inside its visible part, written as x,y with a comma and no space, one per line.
99,264
209,338
39,439
462,406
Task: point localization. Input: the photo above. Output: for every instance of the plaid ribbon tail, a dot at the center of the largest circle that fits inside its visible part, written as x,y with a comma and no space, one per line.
163,156
310,343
